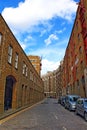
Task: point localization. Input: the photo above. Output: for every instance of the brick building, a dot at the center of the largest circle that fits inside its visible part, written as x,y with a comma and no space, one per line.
49,84
71,75
36,62
20,84
75,59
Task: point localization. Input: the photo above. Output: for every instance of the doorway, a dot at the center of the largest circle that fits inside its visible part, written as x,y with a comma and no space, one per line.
10,80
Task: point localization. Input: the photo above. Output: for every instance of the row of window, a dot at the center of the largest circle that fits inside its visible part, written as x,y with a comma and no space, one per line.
25,67
10,50
33,60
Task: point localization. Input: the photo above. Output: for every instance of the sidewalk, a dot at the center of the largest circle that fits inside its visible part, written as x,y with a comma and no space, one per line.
14,112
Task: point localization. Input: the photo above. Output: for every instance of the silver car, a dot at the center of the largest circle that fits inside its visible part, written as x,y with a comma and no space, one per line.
70,101
81,107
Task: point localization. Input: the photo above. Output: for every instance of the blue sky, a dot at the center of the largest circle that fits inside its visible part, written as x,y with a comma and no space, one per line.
42,27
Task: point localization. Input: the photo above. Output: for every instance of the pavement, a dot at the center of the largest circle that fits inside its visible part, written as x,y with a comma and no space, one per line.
12,113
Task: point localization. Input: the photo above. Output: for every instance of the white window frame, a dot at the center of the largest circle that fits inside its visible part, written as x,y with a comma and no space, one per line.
23,71
26,71
10,49
16,60
31,75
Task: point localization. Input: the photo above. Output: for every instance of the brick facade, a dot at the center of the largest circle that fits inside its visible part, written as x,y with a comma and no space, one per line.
36,62
71,75
75,59
20,84
49,84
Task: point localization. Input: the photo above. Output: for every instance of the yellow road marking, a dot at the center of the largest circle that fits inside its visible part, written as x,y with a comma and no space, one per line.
15,114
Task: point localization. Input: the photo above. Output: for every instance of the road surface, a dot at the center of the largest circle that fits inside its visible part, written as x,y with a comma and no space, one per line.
47,115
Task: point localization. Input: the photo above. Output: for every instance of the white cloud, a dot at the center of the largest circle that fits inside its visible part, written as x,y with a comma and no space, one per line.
52,53
60,31
43,32
48,66
50,39
47,26
51,57
28,38
32,12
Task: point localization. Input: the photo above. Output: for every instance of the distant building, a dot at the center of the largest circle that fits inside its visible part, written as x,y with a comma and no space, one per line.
36,62
49,84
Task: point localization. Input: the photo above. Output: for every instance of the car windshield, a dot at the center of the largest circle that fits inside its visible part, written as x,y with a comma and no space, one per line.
85,103
74,99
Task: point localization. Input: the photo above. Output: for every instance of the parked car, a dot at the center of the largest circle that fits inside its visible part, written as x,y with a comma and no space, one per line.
59,100
70,102
63,100
81,107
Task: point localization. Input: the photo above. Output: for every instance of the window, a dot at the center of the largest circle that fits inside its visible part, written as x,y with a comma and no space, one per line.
85,102
78,37
26,73
34,65
24,65
77,25
16,60
31,75
79,101
0,38
83,80
25,69
33,60
76,71
81,64
80,49
10,54
76,59
77,82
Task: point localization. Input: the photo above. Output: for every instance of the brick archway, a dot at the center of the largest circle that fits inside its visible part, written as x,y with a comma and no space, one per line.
10,80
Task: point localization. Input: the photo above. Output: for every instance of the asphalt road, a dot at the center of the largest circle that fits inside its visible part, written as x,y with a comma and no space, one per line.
48,115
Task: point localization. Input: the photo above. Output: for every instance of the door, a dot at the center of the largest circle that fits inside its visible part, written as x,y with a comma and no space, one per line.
10,80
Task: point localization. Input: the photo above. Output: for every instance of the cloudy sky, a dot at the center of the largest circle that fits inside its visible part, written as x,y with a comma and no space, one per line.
42,27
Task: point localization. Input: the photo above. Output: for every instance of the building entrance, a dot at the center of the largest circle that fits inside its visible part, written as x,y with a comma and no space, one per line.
10,80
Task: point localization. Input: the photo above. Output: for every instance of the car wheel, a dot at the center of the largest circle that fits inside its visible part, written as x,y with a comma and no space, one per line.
85,116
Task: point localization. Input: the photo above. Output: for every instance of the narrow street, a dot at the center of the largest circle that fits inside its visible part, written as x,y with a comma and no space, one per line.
48,115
